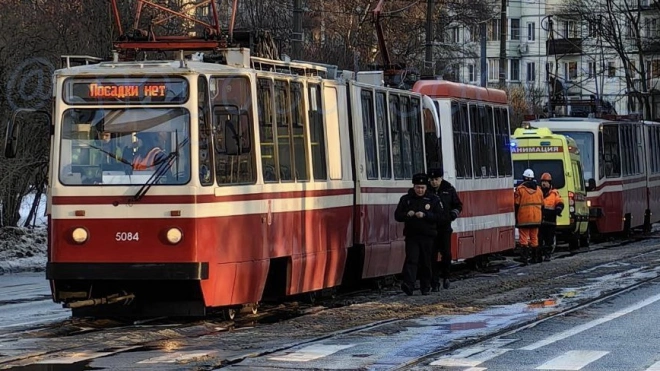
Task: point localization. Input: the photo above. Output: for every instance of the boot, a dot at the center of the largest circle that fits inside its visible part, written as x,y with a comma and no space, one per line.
524,255
538,257
547,253
445,283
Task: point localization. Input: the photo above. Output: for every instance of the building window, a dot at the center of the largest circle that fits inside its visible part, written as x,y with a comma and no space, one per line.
593,29
570,30
570,71
592,70
611,69
515,29
494,30
531,31
453,35
531,71
514,73
471,76
493,68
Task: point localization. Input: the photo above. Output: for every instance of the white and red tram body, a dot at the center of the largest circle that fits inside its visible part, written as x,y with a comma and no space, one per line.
616,159
280,179
260,188
652,148
260,200
474,149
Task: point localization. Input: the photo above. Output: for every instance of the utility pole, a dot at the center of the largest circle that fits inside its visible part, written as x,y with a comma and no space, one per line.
484,63
503,29
297,29
429,62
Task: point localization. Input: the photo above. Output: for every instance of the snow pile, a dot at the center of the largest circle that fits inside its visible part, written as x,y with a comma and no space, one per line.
24,249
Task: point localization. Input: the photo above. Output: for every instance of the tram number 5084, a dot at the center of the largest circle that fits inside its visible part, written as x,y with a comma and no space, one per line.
127,236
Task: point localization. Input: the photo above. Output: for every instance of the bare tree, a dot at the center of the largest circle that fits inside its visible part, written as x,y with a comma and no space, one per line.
622,28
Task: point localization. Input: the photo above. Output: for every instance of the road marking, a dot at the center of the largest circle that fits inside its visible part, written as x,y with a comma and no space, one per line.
71,357
179,356
471,360
572,360
578,329
654,367
311,352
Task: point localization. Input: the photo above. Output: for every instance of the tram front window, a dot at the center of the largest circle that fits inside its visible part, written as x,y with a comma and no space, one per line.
124,146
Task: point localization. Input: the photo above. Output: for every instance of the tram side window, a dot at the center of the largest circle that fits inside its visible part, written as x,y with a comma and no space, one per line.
317,133
478,143
415,126
502,142
462,153
639,147
610,151
396,136
628,150
266,137
406,143
432,140
383,137
234,163
283,124
487,135
369,132
205,139
299,131
654,148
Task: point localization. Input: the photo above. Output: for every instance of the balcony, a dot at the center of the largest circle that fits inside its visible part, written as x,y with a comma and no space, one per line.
564,46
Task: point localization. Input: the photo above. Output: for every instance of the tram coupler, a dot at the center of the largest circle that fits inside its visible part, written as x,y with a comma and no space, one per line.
111,299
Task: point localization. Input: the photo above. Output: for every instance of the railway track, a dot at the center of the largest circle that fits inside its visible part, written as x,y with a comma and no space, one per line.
267,313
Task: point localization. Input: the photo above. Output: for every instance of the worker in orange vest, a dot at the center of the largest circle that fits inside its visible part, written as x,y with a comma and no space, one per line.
553,205
528,199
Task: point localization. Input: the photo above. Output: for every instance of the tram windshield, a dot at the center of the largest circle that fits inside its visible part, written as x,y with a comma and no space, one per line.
585,143
124,146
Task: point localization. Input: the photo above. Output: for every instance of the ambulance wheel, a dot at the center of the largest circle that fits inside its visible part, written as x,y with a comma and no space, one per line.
585,239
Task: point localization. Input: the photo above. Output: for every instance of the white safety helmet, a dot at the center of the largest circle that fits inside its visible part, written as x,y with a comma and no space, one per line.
529,173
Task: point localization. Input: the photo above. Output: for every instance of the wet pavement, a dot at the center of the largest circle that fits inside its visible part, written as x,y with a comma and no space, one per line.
388,332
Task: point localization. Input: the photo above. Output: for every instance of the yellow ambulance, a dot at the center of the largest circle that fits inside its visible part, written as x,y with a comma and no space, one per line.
544,152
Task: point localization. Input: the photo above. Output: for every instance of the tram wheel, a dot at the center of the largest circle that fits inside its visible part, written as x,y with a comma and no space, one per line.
229,314
255,308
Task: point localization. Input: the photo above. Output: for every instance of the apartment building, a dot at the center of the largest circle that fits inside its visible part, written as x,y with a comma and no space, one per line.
568,64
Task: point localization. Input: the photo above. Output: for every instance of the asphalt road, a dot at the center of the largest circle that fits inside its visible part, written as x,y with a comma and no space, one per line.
25,301
616,334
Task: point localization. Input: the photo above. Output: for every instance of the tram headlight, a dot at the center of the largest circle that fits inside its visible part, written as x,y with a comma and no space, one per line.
79,235
174,235
588,203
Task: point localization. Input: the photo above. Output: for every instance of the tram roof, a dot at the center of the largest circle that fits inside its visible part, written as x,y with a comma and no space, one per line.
448,89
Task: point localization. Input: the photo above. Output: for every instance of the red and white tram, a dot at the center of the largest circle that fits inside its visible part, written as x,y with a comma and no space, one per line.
275,179
621,164
474,148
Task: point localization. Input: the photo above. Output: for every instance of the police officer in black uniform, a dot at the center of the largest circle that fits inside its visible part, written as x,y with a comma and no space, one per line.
421,212
450,201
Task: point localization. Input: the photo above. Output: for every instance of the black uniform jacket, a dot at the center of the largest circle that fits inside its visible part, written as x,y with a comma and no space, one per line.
430,205
449,197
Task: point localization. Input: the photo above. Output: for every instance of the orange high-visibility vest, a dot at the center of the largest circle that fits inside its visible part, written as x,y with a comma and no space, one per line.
530,203
147,162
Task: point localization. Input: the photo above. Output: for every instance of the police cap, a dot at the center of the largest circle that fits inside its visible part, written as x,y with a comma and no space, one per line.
420,178
436,173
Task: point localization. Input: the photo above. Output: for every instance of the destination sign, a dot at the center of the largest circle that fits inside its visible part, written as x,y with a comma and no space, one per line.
126,90
538,149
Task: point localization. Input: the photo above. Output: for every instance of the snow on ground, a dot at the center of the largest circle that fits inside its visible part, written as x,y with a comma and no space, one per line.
24,249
